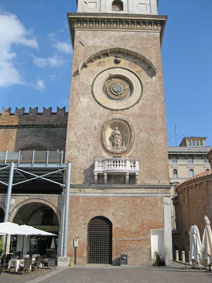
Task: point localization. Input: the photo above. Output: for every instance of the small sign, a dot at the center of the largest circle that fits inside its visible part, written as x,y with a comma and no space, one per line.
76,242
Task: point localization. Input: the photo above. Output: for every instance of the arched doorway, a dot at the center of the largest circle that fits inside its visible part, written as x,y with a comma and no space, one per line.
41,216
100,240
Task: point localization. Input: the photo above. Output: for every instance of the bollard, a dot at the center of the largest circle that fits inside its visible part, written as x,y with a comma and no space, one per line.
177,255
189,257
183,256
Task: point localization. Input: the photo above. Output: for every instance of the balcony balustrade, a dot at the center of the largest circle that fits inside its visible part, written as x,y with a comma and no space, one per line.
117,166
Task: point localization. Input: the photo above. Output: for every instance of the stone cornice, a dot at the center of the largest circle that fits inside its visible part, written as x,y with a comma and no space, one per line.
119,186
126,22
44,126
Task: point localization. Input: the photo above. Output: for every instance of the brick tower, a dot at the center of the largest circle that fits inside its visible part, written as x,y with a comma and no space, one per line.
116,134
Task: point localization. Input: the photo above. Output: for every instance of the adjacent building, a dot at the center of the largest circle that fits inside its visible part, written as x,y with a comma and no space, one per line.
192,202
188,159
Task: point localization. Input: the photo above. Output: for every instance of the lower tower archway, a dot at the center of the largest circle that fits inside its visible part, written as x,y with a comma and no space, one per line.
41,216
100,240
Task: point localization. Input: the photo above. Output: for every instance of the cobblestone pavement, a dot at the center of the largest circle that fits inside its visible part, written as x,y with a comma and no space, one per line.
173,274
9,277
105,274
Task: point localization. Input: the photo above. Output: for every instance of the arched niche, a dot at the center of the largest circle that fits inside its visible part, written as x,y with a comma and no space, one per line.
119,54
117,6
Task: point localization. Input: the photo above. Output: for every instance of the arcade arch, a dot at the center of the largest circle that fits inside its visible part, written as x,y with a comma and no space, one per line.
39,215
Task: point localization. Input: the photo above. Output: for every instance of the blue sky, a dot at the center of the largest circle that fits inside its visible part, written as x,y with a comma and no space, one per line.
36,57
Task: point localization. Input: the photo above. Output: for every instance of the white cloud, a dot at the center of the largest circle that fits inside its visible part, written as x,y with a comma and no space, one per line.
64,47
12,32
54,61
40,85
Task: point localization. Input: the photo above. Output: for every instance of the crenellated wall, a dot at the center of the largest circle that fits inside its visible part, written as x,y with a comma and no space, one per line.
23,130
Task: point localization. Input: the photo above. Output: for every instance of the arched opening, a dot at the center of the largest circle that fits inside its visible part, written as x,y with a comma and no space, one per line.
191,173
40,216
31,147
117,5
175,174
1,215
100,241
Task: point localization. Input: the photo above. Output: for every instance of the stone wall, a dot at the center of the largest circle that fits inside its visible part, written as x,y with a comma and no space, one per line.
32,130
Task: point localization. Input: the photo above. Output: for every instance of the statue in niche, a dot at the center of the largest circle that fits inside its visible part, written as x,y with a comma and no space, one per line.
116,139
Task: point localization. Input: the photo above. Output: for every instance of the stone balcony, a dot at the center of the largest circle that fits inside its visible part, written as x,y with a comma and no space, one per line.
116,166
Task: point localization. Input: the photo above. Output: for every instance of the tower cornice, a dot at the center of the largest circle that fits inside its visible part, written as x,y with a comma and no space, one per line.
123,22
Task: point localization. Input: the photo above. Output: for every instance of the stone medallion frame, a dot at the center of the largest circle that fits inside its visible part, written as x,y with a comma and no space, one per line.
126,101
127,132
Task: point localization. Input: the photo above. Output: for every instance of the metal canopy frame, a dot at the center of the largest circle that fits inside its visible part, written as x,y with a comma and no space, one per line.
17,173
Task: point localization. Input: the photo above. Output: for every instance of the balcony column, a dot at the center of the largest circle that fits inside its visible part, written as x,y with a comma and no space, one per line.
127,177
105,178
136,178
95,178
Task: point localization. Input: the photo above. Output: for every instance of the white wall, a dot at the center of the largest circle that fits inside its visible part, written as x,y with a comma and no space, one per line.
130,6
157,243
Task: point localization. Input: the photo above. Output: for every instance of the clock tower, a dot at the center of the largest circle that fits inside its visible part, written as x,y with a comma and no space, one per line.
116,136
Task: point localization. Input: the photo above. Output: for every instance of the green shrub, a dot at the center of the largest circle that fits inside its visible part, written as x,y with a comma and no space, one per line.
1,244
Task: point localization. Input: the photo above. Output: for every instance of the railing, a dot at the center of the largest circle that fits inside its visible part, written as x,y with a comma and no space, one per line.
20,157
115,166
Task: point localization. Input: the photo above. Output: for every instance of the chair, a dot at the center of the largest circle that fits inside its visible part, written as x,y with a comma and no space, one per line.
26,266
29,253
36,263
18,254
5,260
49,262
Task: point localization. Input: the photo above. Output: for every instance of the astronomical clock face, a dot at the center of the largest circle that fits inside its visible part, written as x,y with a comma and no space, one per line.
117,88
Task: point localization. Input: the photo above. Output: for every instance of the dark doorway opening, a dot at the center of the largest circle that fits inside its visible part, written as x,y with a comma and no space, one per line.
1,215
100,241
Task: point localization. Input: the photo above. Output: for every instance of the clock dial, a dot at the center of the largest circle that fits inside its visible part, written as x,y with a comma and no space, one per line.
117,88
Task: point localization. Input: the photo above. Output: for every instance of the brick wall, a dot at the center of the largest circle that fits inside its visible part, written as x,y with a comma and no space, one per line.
33,130
132,219
193,203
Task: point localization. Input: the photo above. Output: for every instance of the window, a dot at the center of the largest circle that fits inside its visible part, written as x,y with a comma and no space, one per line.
201,142
92,5
190,160
197,142
175,174
191,173
193,142
189,142
174,160
47,216
117,5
